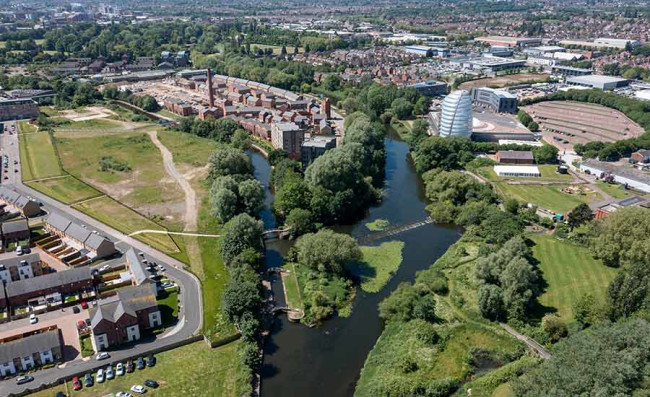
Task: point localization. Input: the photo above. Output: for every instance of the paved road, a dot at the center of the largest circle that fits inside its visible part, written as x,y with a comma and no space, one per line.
190,308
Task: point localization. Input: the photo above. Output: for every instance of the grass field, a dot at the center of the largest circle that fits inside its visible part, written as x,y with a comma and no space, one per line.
192,370
570,272
188,148
124,219
614,190
377,225
291,288
37,156
378,265
25,128
546,196
168,304
66,189
547,171
277,49
95,125
168,114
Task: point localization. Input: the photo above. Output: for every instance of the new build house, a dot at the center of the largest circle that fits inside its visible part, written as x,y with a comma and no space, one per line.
19,203
27,352
89,243
19,293
123,318
21,268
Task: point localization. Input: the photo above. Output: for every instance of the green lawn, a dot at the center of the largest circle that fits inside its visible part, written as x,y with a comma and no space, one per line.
86,346
168,304
99,124
168,114
570,272
546,196
614,190
127,221
547,171
378,265
192,370
291,288
38,157
66,189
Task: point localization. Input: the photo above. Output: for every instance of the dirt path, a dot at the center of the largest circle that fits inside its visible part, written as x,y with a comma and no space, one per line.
190,195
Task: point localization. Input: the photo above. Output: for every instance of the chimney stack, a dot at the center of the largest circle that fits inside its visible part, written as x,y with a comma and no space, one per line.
210,90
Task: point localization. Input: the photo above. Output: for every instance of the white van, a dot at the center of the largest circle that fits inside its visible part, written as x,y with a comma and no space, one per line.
19,250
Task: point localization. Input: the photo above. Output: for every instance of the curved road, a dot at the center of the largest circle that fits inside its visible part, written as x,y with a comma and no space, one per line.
190,316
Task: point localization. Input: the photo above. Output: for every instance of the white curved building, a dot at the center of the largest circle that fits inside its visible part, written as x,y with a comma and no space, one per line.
456,115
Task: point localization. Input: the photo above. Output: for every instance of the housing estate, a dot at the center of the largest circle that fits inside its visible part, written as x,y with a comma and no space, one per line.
12,200
89,243
23,353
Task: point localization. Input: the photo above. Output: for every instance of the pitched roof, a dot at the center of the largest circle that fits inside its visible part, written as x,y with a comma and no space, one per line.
129,301
137,268
15,226
50,280
17,260
31,344
8,195
58,221
516,154
95,241
77,232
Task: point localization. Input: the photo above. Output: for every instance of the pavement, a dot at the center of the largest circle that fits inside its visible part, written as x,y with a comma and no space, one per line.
190,315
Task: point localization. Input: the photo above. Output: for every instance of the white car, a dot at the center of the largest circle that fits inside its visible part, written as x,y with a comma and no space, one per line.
33,319
104,268
102,356
109,372
123,394
100,376
138,389
119,369
19,250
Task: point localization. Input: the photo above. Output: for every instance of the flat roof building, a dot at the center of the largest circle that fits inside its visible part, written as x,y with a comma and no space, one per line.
314,147
624,175
18,109
287,137
605,83
517,171
431,88
499,101
570,71
509,41
603,42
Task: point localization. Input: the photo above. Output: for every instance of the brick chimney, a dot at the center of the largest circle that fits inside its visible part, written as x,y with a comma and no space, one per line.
210,89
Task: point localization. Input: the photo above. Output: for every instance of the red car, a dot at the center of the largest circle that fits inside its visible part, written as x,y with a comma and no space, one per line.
84,305
76,384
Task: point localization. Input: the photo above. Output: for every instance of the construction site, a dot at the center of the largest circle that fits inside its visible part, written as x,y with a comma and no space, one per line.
564,123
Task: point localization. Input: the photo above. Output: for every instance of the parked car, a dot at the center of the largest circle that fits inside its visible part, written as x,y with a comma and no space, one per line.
129,366
24,379
76,384
109,372
84,305
100,376
60,394
119,369
88,380
33,319
19,249
167,284
87,322
141,363
75,309
151,361
151,383
123,394
139,389
104,268
102,356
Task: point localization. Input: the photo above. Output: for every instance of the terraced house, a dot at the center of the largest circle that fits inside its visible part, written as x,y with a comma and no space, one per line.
86,242
27,352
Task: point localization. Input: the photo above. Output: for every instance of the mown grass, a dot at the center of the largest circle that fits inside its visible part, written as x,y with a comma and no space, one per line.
570,271
37,156
546,196
98,124
66,189
168,305
379,263
548,172
614,190
127,221
191,370
291,288
187,148
25,127
377,225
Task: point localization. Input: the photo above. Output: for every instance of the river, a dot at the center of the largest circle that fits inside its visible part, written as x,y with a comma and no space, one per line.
327,360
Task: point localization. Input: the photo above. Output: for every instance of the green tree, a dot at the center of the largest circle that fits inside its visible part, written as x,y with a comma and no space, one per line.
327,251
490,302
579,215
401,108
554,327
300,221
623,237
229,161
251,196
240,233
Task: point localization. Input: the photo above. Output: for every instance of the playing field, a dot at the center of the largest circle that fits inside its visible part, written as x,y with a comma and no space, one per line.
570,272
127,221
66,189
192,370
546,196
37,156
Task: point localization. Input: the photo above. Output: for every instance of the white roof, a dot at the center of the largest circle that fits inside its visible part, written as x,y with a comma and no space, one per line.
516,169
596,79
643,94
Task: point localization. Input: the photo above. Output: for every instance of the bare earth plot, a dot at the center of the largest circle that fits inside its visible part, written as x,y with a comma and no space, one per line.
503,81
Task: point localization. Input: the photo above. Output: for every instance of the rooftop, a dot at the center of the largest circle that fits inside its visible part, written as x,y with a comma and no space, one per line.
595,79
26,346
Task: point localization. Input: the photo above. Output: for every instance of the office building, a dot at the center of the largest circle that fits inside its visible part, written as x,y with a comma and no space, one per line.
430,88
605,83
455,118
18,109
499,101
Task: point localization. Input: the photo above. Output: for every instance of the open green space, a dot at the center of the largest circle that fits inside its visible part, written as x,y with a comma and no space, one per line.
614,190
168,114
402,129
187,148
127,221
86,346
291,288
191,370
378,265
338,291
546,196
66,189
95,125
168,305
570,271
37,156
448,358
547,171
377,225
496,383
214,276
25,127
277,49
